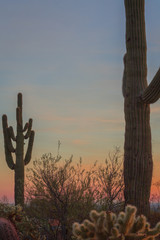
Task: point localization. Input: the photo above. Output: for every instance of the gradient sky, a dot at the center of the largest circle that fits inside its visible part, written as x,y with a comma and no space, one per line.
66,57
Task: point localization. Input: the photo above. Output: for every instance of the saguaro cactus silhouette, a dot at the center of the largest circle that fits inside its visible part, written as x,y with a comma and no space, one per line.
23,133
138,96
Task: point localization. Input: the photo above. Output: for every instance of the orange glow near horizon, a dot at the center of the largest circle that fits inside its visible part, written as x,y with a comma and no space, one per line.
7,185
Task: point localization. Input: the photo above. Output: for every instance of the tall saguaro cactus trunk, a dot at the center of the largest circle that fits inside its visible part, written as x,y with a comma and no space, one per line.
20,161
138,162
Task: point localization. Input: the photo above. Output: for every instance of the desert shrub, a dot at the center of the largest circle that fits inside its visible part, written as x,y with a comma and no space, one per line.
62,190
110,183
65,191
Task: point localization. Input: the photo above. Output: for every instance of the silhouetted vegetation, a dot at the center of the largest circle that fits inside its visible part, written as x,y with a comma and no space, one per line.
66,191
23,133
138,95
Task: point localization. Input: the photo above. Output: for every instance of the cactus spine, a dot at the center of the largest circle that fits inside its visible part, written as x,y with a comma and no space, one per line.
23,133
7,230
109,226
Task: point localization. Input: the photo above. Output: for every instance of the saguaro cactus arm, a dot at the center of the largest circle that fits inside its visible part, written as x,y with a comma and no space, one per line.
7,144
152,93
25,127
11,133
28,127
29,149
9,141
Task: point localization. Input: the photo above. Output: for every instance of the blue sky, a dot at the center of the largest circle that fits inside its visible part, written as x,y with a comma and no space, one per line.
66,57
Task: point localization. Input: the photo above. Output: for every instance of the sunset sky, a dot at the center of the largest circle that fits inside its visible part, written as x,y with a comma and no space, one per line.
66,57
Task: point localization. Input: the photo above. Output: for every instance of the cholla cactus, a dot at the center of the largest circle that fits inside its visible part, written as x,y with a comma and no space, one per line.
126,225
12,213
26,227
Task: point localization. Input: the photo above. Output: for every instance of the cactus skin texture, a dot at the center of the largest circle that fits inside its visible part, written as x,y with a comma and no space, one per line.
108,226
7,230
20,161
